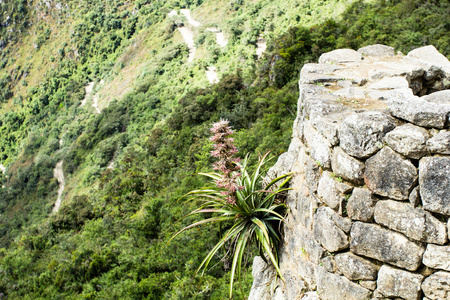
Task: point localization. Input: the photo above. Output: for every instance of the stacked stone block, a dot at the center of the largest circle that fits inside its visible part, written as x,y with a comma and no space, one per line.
370,201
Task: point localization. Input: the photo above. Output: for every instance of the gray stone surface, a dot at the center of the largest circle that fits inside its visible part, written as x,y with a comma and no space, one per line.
361,134
440,97
307,271
328,127
431,56
373,241
414,197
305,207
319,146
437,257
434,181
332,287
418,111
393,282
388,174
311,296
307,244
390,83
262,277
328,264
356,268
368,284
340,56
440,143
408,140
377,50
312,174
328,191
361,205
416,224
327,232
347,167
351,93
437,286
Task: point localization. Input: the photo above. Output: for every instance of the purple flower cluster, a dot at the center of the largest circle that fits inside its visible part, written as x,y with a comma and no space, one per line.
225,150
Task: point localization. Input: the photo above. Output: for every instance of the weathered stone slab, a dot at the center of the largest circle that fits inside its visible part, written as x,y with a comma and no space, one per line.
437,257
315,108
361,205
393,282
390,83
388,174
340,56
434,181
368,284
333,287
347,167
327,232
418,111
311,296
320,147
437,286
307,271
373,241
351,93
305,208
431,56
361,134
356,268
306,244
328,127
416,224
328,264
408,140
439,97
328,191
262,276
440,143
377,50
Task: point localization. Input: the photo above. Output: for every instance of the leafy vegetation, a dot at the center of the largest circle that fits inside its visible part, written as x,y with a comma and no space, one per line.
126,166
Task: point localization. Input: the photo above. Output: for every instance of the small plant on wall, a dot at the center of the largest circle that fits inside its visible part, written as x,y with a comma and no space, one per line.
243,198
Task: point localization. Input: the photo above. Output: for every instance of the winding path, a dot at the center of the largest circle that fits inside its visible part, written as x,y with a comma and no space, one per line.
58,174
261,46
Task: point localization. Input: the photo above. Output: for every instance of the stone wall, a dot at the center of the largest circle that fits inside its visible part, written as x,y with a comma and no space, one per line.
370,201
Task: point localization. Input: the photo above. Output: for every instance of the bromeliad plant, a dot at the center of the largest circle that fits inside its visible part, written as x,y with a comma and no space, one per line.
245,200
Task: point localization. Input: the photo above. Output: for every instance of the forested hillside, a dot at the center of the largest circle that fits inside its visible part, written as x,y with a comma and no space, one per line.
113,90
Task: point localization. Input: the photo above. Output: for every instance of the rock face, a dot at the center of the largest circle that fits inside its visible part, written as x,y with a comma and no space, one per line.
398,283
361,134
369,209
434,181
388,174
373,241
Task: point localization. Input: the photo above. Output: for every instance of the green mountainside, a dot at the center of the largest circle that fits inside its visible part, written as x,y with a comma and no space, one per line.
112,90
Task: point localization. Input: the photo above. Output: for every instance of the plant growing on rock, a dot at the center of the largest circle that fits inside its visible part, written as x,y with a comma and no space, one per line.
243,198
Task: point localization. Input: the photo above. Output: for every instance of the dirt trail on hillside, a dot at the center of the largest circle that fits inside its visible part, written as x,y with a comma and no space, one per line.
211,74
187,14
58,174
188,37
261,46
88,89
220,37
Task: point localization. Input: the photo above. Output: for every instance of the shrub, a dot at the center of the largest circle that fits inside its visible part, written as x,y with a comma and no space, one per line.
245,199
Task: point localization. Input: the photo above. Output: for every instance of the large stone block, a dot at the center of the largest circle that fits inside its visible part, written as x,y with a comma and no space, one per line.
440,143
419,111
328,126
262,277
361,205
333,287
361,134
388,174
356,268
305,208
347,167
415,223
434,182
377,50
327,232
390,83
431,56
328,191
397,283
437,257
319,146
340,56
408,140
303,244
437,286
373,241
